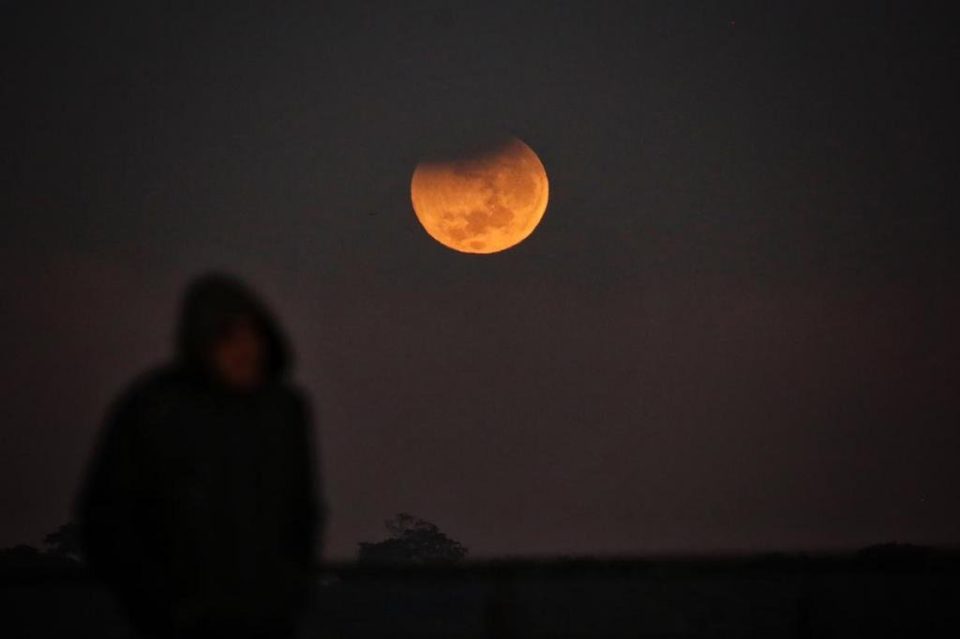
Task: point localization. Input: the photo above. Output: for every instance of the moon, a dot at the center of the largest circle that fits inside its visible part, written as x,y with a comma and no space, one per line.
484,202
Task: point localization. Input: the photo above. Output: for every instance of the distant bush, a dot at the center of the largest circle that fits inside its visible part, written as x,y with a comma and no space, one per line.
64,541
27,563
412,540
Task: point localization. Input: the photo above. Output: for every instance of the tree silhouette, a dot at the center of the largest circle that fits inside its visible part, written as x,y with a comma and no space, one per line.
61,552
412,540
64,541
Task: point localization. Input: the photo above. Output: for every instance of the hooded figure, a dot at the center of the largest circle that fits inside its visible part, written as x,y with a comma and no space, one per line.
200,509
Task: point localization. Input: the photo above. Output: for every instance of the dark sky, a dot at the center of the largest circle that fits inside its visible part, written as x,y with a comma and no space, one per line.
735,328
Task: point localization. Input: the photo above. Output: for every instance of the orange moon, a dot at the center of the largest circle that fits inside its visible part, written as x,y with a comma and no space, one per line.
482,203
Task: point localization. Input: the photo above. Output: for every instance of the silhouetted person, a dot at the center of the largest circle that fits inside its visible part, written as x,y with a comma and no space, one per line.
200,509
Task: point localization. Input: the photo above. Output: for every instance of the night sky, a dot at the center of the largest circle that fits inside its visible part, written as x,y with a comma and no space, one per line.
735,328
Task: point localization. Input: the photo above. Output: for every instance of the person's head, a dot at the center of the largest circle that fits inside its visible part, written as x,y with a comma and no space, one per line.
226,334
236,357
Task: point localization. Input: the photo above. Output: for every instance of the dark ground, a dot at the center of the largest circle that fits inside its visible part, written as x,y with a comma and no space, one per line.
872,594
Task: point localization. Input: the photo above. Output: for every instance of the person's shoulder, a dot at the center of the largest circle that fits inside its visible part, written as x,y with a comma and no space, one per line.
294,397
159,379
155,385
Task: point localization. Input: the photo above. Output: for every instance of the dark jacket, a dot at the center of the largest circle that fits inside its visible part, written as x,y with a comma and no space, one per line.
200,506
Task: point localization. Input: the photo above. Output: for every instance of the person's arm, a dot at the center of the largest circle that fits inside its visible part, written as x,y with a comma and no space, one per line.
110,507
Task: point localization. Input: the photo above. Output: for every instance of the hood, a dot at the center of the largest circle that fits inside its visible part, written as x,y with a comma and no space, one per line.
210,303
